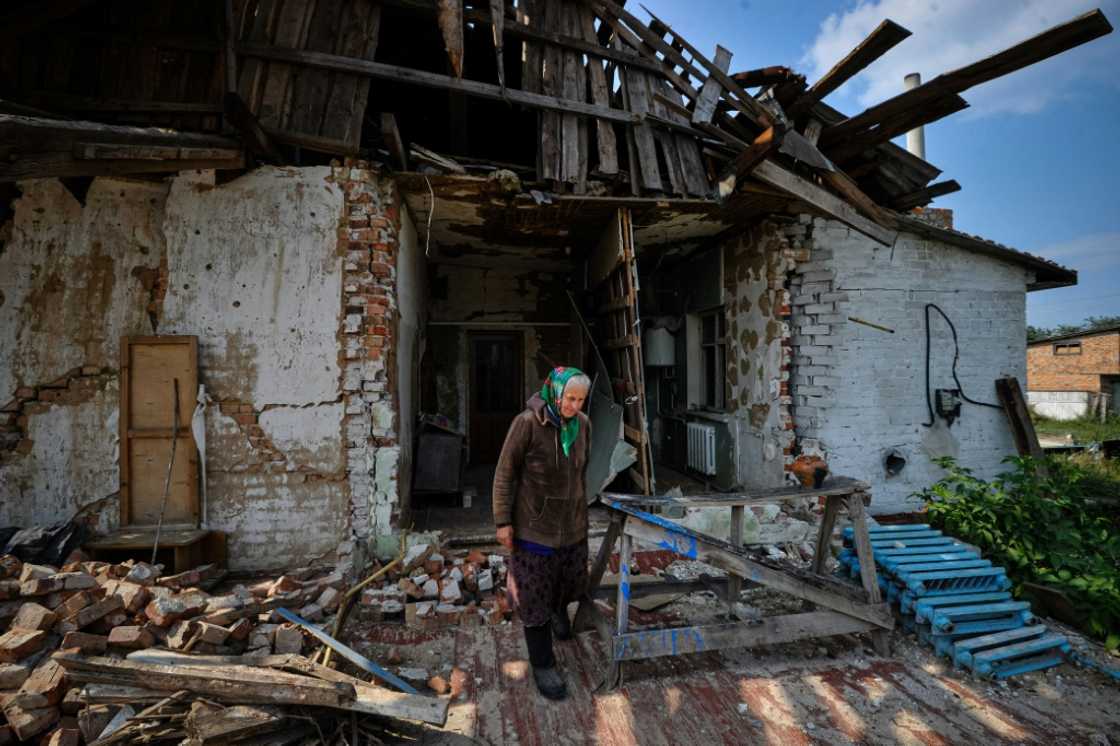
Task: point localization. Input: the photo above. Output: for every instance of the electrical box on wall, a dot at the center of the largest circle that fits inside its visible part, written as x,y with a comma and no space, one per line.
947,402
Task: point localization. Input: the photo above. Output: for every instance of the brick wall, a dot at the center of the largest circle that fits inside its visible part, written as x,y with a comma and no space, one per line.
1099,356
756,268
859,392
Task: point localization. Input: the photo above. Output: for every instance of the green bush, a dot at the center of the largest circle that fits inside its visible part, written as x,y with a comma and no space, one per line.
1038,524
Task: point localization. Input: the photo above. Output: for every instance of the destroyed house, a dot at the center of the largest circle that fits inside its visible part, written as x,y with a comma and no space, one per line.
349,238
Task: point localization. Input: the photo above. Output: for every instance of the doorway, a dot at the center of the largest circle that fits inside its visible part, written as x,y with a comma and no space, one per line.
496,392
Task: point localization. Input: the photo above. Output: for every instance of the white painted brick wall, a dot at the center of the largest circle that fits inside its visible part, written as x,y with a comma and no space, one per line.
873,399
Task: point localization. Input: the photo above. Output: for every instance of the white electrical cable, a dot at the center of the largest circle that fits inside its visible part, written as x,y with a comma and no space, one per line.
431,212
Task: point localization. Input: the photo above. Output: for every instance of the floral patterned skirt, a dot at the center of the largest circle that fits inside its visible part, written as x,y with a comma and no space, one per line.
538,584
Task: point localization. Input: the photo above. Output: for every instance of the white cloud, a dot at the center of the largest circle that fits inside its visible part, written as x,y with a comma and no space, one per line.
948,34
1092,253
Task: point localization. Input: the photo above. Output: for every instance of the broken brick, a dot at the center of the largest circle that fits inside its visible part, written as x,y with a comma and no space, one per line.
30,722
9,589
181,633
91,614
33,616
142,574
240,629
49,681
284,584
287,640
133,596
74,604
85,642
131,637
12,675
212,634
17,644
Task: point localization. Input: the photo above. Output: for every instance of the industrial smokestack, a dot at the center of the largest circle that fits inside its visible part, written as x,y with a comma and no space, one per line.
915,138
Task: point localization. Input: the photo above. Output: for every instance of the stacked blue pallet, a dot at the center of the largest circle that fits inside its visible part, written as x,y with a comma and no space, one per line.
956,601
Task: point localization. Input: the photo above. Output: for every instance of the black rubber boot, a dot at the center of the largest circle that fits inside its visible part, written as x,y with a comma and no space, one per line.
561,625
549,682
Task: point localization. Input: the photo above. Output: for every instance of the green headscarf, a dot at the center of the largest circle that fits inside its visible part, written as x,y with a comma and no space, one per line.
552,392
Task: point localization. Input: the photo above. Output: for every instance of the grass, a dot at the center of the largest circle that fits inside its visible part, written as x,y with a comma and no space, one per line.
1083,429
1101,476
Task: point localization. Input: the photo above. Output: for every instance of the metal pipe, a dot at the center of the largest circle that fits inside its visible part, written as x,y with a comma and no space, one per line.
915,138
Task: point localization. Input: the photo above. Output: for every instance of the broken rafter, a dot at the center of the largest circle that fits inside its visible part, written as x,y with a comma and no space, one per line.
1053,41
31,147
776,176
922,197
733,92
898,125
434,80
885,36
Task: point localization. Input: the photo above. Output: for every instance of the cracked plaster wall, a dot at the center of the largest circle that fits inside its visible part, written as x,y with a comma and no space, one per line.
253,268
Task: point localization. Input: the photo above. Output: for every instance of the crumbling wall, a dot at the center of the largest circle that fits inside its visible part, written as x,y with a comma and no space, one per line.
860,392
756,267
254,268
76,277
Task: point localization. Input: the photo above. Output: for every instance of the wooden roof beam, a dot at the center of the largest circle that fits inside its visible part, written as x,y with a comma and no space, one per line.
35,148
885,36
411,76
1056,40
33,16
897,125
922,197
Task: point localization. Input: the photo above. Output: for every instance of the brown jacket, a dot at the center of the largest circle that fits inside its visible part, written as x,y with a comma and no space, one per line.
536,488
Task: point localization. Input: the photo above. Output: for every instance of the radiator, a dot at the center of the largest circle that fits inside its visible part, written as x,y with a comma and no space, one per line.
702,448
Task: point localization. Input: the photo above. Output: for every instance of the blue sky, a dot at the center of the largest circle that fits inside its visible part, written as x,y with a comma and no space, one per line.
1038,152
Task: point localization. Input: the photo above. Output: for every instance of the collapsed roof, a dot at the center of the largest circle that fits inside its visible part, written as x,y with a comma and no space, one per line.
575,98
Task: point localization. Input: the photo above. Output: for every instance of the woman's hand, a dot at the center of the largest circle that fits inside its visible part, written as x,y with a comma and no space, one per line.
505,537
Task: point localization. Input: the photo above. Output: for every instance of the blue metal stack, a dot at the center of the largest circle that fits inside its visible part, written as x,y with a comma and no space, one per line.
956,602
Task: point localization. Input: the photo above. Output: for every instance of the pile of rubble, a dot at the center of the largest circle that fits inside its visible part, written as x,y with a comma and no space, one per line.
104,620
428,589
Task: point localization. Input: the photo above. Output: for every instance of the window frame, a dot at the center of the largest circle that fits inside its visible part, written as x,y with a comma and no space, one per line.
1071,348
713,370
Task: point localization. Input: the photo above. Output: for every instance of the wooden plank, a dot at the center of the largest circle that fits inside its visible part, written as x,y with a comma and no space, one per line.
693,545
839,181
1053,41
867,572
231,684
622,601
884,38
786,493
636,95
253,73
824,533
710,92
433,80
732,92
114,151
771,173
892,127
497,26
450,19
606,143
573,128
71,102
763,146
1018,416
344,109
734,582
291,27
312,87
64,165
924,196
391,136
255,136
769,631
552,155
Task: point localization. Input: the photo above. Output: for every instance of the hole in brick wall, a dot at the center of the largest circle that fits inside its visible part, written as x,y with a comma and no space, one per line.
209,266
894,463
186,287
237,304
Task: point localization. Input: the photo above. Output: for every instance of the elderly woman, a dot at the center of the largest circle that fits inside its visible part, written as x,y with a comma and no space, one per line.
540,510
